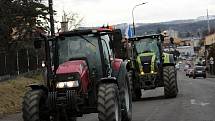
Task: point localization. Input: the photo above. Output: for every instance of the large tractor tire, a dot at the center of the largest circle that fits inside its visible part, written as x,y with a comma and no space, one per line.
126,100
135,92
34,108
109,106
170,82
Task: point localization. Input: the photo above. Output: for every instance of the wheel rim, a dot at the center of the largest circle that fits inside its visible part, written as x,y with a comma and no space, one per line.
117,111
127,101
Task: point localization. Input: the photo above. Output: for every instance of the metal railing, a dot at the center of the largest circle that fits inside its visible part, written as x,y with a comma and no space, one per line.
19,61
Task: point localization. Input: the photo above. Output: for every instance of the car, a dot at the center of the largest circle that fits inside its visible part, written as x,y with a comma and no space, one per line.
177,66
186,67
190,59
180,62
199,71
190,74
188,71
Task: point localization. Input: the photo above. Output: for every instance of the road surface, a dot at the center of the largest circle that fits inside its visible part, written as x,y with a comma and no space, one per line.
195,102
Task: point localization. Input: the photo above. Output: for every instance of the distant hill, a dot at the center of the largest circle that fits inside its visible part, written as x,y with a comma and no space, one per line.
192,27
186,28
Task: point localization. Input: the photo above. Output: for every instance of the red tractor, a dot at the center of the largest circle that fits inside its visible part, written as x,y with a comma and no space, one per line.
82,76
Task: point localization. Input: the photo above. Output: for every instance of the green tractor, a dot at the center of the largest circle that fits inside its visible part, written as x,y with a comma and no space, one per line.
150,67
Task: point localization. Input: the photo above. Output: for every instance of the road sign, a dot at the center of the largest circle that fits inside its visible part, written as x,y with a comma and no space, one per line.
212,62
211,58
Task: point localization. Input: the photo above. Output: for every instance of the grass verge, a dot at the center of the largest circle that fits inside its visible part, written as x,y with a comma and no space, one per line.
12,91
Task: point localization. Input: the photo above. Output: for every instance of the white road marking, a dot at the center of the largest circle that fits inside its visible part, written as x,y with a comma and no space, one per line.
194,102
204,104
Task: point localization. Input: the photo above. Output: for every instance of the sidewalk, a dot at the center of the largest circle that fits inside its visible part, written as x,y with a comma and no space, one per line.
210,76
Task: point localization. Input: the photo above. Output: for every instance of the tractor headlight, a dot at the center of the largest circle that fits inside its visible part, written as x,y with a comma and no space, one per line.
60,85
68,84
142,73
152,72
73,84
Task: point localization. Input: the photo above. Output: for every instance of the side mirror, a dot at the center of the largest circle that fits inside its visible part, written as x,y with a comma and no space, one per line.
37,43
172,40
117,35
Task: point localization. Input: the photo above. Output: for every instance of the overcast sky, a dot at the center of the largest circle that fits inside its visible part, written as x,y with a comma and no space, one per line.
99,12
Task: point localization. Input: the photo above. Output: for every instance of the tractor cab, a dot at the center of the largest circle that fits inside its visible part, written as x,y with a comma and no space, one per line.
147,53
80,50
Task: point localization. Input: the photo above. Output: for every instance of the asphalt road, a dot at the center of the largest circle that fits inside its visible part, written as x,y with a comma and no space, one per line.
195,102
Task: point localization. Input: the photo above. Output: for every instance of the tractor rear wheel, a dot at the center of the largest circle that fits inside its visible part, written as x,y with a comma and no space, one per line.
34,108
170,82
109,107
126,99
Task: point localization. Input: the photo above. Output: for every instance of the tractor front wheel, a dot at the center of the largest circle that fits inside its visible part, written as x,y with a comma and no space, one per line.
170,82
109,107
135,92
34,108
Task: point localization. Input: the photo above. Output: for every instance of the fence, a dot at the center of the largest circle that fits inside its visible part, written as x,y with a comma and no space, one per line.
19,61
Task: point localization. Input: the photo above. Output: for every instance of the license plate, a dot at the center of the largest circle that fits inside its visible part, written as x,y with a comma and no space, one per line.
199,71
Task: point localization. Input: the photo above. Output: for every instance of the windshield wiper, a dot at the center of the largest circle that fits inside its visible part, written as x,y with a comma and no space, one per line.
86,39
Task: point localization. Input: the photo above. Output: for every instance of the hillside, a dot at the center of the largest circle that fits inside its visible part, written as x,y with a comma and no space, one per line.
186,28
182,28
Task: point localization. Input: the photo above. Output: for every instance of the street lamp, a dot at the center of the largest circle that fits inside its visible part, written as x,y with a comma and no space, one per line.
133,15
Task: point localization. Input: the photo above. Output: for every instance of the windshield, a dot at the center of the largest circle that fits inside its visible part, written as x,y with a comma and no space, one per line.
79,47
147,45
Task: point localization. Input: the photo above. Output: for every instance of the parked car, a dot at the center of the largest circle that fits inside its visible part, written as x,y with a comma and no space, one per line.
199,71
186,67
188,72
177,66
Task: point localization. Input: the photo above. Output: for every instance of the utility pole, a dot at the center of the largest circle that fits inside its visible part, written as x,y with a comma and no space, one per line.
51,13
206,52
208,19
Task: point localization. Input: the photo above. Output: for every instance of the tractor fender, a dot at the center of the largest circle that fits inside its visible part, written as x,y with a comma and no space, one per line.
116,63
119,72
122,77
108,80
168,60
38,87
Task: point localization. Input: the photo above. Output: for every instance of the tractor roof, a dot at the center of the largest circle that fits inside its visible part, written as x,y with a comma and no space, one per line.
137,38
85,32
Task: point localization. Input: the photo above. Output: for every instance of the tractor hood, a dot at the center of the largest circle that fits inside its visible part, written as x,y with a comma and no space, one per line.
146,62
149,57
72,67
147,54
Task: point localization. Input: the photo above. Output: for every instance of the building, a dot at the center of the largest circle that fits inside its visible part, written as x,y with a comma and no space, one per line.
209,40
186,50
209,44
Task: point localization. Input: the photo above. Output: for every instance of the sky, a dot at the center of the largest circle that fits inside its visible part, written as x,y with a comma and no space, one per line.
99,12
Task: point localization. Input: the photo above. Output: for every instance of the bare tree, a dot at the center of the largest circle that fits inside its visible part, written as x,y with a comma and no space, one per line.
74,20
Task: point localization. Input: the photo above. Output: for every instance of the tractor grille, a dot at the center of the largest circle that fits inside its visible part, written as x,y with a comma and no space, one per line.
146,63
68,77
